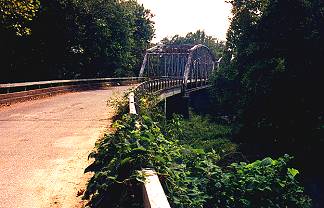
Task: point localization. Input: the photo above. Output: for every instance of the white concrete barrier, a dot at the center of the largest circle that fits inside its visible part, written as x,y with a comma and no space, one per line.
153,194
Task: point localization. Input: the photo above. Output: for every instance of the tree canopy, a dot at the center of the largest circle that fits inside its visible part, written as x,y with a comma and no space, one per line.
77,39
198,37
271,79
16,15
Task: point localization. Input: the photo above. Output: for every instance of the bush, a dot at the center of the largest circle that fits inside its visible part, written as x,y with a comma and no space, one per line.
138,143
267,183
190,176
200,132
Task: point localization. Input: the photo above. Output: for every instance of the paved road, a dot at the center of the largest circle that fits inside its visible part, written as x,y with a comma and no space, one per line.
44,147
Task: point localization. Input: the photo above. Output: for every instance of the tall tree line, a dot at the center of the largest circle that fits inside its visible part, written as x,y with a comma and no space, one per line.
65,39
272,79
198,37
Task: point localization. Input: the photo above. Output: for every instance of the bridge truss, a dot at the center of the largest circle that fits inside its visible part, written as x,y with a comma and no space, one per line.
187,65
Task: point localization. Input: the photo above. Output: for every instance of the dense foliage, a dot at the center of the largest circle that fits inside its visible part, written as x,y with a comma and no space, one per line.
17,14
201,132
198,37
189,175
267,183
73,39
271,80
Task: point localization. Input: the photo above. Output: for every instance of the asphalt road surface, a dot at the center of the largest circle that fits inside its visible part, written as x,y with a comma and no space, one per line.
44,147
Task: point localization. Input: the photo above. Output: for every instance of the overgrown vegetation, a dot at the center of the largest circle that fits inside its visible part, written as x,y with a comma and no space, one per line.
270,80
190,175
66,39
200,132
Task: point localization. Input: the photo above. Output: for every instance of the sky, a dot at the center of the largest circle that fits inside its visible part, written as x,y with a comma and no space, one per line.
174,17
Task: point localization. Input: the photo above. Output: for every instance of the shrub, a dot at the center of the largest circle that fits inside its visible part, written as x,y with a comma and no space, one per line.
200,132
190,176
267,183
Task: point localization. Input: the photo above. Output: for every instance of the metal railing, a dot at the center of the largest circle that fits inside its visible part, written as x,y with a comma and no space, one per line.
25,86
164,83
19,92
156,85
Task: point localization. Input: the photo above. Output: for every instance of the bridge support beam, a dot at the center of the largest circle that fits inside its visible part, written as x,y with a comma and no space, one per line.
177,104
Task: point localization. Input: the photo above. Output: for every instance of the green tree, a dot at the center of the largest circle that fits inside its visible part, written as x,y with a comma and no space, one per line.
271,78
16,15
198,37
142,32
78,39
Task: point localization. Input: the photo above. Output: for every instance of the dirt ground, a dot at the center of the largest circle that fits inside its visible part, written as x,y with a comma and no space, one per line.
45,146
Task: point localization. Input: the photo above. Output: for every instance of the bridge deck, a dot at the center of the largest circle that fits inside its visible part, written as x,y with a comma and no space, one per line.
44,147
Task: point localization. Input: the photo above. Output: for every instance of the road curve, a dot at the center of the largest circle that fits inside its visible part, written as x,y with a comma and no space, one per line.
44,147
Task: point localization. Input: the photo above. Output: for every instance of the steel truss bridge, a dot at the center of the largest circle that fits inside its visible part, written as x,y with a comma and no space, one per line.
174,69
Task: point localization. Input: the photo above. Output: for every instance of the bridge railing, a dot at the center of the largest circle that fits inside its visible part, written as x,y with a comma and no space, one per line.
156,85
162,85
25,86
18,92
